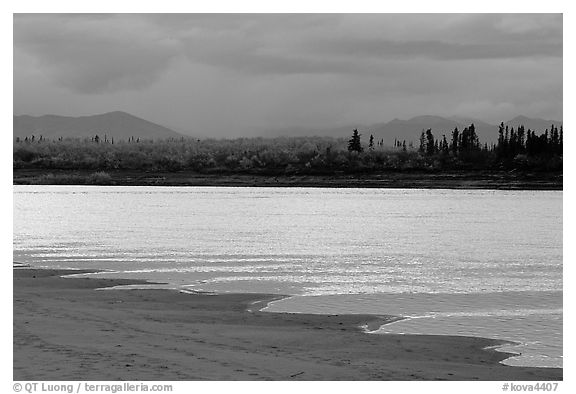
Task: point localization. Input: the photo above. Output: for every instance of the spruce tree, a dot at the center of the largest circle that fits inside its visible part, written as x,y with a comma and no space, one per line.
430,147
354,144
422,148
455,135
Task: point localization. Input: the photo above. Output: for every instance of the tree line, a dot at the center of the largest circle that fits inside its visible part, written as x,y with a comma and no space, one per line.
458,150
515,148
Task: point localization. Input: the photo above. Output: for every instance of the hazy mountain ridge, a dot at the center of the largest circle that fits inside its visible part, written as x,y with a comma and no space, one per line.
539,125
117,124
411,129
122,125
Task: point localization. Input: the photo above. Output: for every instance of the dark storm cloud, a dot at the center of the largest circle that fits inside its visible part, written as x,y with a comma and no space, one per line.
437,50
94,53
226,74
286,44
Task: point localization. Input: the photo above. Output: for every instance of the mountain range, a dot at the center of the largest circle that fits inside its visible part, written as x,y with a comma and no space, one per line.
411,129
121,125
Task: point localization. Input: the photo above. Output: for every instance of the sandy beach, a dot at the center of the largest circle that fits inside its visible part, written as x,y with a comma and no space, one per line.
489,180
64,329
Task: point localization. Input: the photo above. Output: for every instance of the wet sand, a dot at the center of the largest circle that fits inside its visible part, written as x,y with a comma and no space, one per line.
64,329
480,179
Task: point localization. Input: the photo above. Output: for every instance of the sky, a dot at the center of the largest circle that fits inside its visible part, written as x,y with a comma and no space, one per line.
230,75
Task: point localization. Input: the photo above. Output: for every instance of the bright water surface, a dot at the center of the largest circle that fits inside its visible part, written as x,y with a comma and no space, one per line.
461,262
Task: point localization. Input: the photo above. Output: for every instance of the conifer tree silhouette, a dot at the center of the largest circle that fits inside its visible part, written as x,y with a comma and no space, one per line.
354,144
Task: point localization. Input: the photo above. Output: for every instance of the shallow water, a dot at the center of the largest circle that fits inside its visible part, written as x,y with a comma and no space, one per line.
533,319
451,259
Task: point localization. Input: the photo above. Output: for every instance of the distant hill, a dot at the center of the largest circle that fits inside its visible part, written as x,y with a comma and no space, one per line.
399,129
122,125
119,125
411,129
540,125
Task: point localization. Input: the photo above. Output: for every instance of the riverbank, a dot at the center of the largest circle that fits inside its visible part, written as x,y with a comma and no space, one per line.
506,180
64,330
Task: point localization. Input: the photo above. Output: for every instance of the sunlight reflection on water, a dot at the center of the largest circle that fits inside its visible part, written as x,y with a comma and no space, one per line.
348,243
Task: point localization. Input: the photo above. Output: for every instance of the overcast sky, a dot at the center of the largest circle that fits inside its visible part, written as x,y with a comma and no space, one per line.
229,75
